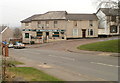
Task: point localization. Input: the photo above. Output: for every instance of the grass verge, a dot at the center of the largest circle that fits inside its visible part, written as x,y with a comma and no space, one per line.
30,74
104,46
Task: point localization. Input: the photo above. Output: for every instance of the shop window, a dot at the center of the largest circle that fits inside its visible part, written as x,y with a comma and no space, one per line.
39,34
26,35
113,29
55,34
90,23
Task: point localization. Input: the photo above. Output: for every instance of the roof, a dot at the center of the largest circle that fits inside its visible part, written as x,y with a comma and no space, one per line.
108,11
54,15
81,17
60,15
2,28
30,18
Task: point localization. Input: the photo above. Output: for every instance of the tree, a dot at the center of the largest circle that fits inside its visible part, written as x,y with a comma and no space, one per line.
17,33
106,4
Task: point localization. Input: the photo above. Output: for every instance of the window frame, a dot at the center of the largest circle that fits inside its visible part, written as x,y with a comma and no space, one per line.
27,36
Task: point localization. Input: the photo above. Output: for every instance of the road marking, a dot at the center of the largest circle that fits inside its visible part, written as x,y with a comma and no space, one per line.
62,57
105,64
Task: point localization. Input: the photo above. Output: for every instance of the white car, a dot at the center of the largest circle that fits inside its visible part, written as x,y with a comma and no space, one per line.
19,46
10,45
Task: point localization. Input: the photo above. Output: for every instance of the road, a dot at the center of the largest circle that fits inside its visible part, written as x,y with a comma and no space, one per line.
70,66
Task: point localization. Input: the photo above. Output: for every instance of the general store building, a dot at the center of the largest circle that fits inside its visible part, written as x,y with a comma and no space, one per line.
58,25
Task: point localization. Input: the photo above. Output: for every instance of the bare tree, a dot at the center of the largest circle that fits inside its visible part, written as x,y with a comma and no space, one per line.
105,4
17,33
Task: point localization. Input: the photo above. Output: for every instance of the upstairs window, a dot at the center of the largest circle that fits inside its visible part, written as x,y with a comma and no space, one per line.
55,22
39,24
75,23
113,18
47,24
90,23
26,24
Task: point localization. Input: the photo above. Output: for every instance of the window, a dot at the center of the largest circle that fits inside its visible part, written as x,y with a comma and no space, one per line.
26,24
75,23
113,29
39,24
88,31
75,32
26,35
113,18
91,32
90,23
55,34
39,34
47,24
55,22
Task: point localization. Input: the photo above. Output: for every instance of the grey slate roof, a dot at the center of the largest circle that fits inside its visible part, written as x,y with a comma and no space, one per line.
51,15
60,15
108,11
81,17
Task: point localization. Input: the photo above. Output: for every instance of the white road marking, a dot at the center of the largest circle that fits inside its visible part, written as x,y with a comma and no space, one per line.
62,57
105,64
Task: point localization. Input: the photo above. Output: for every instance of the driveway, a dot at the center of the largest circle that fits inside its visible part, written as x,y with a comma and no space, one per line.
61,59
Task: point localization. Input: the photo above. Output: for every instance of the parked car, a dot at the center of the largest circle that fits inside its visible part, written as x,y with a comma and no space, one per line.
19,46
10,45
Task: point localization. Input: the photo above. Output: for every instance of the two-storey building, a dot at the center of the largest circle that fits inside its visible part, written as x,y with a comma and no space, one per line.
109,22
59,25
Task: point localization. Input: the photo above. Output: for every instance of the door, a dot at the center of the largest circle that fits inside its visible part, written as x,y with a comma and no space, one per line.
83,33
47,35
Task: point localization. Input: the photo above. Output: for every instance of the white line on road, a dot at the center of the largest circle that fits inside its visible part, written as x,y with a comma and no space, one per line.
62,57
105,64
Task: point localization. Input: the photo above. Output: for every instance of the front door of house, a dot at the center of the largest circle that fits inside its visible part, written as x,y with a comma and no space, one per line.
83,33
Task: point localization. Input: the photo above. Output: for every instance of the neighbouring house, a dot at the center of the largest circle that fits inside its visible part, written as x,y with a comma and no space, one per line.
5,33
109,22
59,25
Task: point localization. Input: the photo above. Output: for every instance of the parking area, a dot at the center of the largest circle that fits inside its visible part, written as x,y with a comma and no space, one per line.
71,45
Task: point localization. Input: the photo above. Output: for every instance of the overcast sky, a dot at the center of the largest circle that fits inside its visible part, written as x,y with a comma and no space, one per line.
13,11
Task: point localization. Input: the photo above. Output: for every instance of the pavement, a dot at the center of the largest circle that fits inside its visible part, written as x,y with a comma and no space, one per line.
62,60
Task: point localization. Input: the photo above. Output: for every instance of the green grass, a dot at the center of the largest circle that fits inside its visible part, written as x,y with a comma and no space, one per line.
105,46
32,74
15,62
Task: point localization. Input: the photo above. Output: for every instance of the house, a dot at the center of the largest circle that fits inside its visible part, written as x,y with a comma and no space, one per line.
55,25
109,22
5,33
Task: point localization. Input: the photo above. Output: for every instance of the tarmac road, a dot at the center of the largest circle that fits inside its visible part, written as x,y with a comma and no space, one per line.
70,66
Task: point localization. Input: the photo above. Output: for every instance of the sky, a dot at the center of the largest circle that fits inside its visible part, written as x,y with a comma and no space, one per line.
14,11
